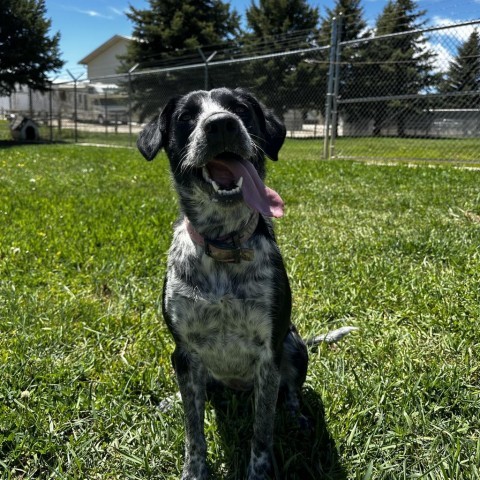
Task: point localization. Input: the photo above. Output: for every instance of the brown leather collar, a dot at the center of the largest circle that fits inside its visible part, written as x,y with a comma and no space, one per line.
228,248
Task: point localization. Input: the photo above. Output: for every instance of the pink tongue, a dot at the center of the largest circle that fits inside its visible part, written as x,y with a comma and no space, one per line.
255,193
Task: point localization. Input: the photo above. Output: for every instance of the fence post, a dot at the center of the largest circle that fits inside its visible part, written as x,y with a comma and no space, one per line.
30,103
335,88
206,61
75,113
105,121
75,80
328,100
50,111
130,93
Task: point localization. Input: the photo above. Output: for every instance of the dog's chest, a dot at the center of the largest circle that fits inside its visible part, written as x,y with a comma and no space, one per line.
222,314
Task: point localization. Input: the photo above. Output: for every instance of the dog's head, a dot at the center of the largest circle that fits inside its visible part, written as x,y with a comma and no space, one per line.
216,142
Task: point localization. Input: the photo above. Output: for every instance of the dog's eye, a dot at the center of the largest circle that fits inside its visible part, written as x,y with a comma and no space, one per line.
240,109
185,117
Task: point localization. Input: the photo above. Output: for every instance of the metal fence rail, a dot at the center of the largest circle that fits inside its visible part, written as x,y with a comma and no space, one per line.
351,99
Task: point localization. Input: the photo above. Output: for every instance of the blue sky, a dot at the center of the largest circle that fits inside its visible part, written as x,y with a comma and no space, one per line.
86,24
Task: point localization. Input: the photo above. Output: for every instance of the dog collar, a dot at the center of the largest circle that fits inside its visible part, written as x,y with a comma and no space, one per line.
227,248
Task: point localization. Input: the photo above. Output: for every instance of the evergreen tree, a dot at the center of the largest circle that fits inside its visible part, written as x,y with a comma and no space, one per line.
399,65
272,18
172,29
170,32
281,26
27,52
464,72
353,23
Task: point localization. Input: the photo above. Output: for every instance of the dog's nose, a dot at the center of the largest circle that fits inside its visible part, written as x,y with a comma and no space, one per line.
221,126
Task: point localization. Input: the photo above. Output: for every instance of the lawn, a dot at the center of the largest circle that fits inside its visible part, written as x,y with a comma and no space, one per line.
388,148
84,353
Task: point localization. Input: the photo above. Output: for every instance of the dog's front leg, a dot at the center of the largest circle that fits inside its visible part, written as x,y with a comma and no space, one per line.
267,381
191,377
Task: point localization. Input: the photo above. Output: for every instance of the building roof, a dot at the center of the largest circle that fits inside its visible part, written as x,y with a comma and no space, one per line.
103,48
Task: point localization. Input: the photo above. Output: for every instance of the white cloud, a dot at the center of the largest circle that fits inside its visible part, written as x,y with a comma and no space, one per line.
117,11
91,13
443,57
461,33
446,41
438,21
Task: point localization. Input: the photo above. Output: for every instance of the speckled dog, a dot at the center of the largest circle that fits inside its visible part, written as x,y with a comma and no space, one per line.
227,299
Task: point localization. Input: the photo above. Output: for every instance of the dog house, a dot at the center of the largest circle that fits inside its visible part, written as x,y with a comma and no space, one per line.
24,130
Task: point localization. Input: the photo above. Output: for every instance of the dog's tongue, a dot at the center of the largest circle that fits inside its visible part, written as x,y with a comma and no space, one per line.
255,193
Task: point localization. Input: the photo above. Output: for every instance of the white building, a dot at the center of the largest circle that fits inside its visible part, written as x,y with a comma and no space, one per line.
103,61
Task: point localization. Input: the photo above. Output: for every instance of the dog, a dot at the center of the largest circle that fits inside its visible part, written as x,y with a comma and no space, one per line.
226,296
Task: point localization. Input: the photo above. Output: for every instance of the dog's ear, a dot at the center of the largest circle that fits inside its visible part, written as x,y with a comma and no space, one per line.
275,134
150,140
273,129
155,134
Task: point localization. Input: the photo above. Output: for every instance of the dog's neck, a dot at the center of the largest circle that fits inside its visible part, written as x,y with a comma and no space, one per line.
244,232
230,248
209,218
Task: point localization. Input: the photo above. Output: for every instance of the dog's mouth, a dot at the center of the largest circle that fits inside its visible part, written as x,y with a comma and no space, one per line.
233,178
224,178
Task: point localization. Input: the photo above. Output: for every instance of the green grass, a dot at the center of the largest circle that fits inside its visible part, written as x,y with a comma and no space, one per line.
4,130
456,149
101,137
84,353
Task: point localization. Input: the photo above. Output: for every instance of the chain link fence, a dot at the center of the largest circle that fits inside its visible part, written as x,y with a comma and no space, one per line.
385,97
290,83
414,95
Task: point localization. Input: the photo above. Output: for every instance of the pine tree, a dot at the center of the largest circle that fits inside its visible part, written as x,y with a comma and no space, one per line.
276,18
27,52
170,33
399,65
354,25
464,72
281,26
172,29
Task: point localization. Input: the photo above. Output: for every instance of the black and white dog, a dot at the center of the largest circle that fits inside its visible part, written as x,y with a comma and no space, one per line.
227,298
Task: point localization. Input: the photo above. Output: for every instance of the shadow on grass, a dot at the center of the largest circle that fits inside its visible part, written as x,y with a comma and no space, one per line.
299,454
13,143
